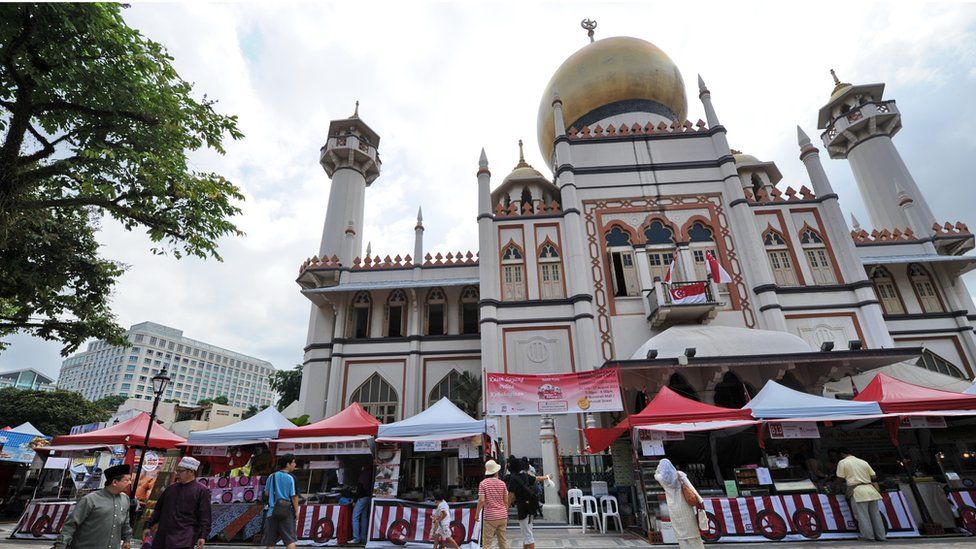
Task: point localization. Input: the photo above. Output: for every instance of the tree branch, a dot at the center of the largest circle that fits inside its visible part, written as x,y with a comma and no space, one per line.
113,205
83,109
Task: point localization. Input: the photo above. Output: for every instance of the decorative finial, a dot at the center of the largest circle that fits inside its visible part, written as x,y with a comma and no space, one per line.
369,248
701,84
483,160
837,83
521,162
420,214
589,25
355,113
855,223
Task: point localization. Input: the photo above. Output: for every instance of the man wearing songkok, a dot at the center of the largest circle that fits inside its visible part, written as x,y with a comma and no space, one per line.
182,513
100,520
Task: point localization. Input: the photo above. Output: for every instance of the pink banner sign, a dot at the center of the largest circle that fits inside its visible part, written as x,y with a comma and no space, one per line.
575,393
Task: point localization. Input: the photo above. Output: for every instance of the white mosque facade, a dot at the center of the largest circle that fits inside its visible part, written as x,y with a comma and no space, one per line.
568,274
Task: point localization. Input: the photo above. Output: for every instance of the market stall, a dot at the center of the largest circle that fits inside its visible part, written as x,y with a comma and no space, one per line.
17,463
437,449
933,471
83,457
235,460
335,455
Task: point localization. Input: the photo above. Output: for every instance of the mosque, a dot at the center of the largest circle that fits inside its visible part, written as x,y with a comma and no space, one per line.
573,257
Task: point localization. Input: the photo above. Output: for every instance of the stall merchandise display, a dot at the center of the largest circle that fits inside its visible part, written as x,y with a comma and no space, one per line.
798,517
42,520
239,489
396,522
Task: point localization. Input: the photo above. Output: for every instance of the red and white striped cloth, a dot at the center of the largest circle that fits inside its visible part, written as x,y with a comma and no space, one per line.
324,525
42,520
834,519
412,523
963,504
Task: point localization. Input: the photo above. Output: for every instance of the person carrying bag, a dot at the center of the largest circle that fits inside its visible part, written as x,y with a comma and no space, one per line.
684,505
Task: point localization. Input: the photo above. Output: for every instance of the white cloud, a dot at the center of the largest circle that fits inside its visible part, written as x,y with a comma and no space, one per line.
439,81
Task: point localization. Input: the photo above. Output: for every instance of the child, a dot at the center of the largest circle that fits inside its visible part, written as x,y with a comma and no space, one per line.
441,532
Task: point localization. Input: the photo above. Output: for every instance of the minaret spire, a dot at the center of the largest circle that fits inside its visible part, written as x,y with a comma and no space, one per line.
521,162
706,98
355,113
418,238
855,223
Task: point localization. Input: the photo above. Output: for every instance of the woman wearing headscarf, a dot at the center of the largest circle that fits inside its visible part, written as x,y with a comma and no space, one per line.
684,517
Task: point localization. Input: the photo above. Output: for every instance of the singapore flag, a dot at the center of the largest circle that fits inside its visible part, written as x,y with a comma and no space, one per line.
688,294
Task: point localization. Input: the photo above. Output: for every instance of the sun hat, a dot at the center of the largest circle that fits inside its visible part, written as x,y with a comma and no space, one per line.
492,467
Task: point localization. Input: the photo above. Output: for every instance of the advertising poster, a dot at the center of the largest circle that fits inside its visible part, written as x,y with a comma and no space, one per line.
573,393
793,429
19,447
387,471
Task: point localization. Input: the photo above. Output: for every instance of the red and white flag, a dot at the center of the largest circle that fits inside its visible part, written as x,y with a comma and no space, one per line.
670,274
719,274
687,294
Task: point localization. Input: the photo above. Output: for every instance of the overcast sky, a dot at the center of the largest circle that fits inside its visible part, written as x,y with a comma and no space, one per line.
438,81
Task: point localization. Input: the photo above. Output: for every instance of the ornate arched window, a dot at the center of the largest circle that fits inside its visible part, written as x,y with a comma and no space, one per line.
660,248
887,291
778,254
620,257
378,398
446,387
513,273
731,392
469,310
925,290
680,385
817,257
935,363
550,272
435,318
396,314
359,310
702,240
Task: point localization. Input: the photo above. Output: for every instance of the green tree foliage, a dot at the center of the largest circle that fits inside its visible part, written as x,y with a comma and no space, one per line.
52,412
110,403
222,399
288,385
299,421
251,411
95,122
467,394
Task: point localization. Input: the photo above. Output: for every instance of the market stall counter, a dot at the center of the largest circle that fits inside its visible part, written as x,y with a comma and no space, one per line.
336,457
81,458
437,450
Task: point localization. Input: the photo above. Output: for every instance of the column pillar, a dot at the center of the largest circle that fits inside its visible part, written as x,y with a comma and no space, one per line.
553,510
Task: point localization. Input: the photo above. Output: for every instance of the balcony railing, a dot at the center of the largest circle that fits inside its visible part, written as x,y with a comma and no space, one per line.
857,115
663,310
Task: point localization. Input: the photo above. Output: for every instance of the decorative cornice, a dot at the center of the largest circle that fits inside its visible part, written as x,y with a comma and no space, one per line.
535,320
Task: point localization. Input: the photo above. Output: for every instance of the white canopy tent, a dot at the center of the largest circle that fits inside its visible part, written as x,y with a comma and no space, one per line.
441,421
261,427
971,390
27,429
776,401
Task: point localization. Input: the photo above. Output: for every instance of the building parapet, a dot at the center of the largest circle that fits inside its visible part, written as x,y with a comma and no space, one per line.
636,129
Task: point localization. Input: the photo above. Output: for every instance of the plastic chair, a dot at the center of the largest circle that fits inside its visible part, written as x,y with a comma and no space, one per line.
610,509
590,509
575,496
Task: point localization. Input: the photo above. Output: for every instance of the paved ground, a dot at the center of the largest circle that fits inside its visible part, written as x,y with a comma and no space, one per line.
559,538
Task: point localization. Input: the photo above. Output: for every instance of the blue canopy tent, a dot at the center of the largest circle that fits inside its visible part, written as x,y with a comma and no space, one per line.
776,401
260,427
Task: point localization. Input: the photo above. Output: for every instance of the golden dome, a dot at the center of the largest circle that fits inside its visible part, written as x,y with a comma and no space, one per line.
745,159
523,170
607,73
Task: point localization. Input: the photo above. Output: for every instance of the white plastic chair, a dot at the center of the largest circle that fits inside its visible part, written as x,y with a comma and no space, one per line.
575,496
590,509
610,509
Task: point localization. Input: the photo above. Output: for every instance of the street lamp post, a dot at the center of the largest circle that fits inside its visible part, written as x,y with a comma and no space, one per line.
159,383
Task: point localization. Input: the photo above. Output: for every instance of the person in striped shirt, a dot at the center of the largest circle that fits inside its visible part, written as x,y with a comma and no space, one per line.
494,499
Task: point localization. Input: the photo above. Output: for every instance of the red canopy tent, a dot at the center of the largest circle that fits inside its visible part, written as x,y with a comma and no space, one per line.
667,407
131,432
353,420
896,396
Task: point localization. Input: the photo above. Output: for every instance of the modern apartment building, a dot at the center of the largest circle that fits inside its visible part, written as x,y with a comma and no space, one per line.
197,370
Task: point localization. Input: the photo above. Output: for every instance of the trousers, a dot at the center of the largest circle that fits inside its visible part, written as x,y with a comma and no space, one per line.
494,530
360,519
869,521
